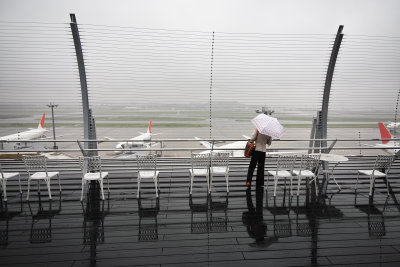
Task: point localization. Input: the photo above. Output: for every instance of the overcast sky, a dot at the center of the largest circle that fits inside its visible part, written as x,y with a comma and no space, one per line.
287,16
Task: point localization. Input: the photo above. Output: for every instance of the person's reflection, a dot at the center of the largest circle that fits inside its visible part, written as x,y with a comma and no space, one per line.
253,219
41,231
148,225
6,215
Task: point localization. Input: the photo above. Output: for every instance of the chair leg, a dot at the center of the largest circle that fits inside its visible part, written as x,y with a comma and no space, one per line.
275,184
138,186
19,182
155,185
83,187
358,175
209,181
227,183
29,185
334,179
59,181
108,184
315,185
291,185
191,183
266,188
4,184
387,185
102,190
371,184
298,185
48,187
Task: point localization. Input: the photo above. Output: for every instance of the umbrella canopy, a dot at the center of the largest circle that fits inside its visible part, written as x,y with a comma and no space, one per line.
268,125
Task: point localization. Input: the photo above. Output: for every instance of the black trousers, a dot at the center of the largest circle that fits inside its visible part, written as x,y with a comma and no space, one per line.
258,158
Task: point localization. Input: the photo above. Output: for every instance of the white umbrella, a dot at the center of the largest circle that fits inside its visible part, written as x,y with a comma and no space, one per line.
268,125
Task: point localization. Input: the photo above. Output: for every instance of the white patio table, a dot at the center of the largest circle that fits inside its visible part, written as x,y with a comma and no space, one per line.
332,158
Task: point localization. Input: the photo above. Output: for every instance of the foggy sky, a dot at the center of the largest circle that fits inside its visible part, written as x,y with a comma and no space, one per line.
362,63
284,16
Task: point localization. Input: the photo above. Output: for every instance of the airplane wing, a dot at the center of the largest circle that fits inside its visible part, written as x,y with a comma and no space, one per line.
204,143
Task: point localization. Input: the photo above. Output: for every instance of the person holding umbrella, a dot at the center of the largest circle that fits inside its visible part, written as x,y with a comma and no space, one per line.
266,128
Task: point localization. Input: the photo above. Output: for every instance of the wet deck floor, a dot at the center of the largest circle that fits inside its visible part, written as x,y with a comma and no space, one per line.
235,229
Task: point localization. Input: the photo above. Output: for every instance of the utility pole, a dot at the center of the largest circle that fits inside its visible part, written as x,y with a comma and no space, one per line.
52,106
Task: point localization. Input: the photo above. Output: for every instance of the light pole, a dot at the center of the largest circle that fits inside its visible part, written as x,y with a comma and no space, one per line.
52,106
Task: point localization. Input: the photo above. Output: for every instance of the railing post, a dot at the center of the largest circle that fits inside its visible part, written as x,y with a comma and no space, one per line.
325,102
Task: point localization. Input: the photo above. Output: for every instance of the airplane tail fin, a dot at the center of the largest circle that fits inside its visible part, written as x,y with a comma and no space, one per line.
384,133
41,123
149,129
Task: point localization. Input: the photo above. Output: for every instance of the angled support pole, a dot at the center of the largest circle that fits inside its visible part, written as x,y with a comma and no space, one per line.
325,102
82,78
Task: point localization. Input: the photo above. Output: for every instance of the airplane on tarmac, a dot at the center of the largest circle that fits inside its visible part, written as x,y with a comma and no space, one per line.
235,149
385,134
26,135
393,125
140,141
231,148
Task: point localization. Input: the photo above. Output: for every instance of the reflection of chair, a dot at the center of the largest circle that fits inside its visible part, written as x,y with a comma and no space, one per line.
304,218
376,225
6,215
4,176
39,164
147,168
199,219
376,221
284,168
93,221
40,232
308,169
218,221
200,167
148,225
91,171
381,162
282,222
220,165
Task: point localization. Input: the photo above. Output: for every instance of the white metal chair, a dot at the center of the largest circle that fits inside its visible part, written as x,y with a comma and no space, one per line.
36,167
284,168
381,162
91,171
147,168
309,166
4,176
219,165
200,167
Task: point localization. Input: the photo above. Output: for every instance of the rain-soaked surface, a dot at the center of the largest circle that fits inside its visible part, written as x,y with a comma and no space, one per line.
242,228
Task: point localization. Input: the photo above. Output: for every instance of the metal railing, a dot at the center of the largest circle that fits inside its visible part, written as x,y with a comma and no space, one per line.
65,145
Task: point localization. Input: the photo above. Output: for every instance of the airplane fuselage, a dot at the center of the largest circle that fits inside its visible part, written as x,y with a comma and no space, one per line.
27,135
388,147
136,142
